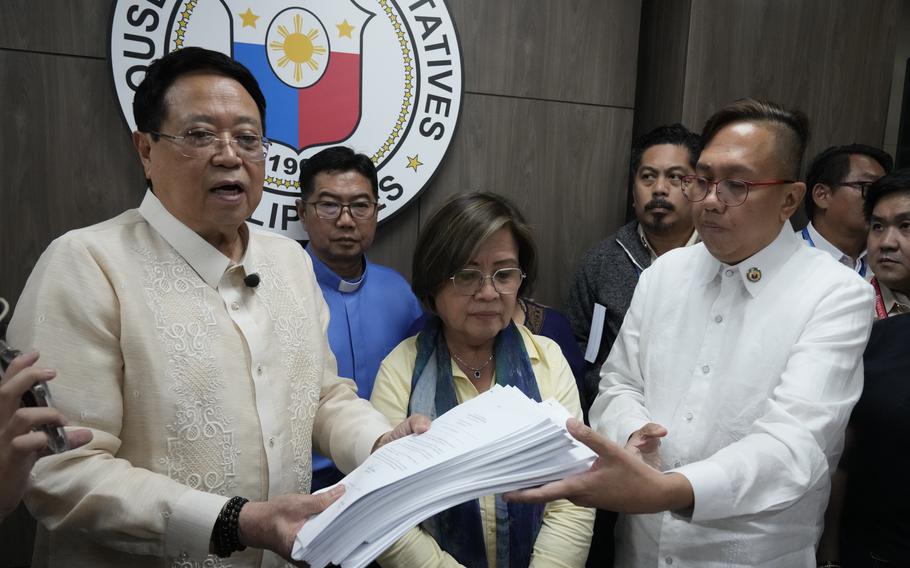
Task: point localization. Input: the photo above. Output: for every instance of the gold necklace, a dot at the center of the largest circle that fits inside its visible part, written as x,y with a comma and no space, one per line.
474,370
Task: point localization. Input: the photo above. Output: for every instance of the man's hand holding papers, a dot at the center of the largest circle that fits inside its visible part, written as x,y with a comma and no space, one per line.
274,524
619,480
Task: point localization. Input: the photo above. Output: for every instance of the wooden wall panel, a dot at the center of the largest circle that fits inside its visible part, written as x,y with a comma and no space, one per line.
56,26
570,50
66,158
395,240
564,164
661,64
830,58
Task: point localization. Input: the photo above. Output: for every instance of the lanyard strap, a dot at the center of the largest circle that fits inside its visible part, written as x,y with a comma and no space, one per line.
880,312
807,237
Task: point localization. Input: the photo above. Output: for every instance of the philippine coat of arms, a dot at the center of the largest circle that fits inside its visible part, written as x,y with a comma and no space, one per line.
381,76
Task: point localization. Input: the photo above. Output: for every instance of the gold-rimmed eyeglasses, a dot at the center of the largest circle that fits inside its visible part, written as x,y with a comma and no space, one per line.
469,281
204,144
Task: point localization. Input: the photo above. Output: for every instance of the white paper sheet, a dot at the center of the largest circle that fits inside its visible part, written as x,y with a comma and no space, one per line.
499,441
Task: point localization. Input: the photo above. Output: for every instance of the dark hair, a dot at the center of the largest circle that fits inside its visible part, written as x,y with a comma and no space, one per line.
794,127
456,230
148,104
897,181
832,166
337,159
675,134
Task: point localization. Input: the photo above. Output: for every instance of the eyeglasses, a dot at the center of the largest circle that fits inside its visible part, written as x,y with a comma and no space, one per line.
861,186
469,281
730,192
331,210
204,144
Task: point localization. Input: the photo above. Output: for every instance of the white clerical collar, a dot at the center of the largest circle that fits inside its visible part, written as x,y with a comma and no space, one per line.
327,277
208,262
817,240
348,287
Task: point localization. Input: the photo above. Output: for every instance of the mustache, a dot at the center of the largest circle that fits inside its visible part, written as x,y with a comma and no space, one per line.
659,202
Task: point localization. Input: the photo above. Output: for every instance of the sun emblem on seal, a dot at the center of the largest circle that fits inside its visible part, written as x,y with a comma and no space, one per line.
298,51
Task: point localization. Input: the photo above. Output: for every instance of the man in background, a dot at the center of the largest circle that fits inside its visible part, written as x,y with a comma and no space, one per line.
608,273
371,306
888,209
836,185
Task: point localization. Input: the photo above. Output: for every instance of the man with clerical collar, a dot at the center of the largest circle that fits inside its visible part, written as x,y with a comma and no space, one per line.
734,373
836,184
606,276
888,209
372,307
205,388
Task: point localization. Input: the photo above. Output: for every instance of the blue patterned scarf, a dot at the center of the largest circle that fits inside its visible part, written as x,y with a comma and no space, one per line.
459,530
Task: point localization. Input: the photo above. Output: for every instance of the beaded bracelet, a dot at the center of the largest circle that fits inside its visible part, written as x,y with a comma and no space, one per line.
226,532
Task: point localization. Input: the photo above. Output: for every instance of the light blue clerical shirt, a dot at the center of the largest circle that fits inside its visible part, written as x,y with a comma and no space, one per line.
369,317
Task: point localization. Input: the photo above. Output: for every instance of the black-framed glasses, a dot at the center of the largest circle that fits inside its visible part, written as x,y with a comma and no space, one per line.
469,281
331,210
204,144
730,192
861,186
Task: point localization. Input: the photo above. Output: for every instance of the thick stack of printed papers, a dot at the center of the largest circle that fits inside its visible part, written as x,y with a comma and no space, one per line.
497,442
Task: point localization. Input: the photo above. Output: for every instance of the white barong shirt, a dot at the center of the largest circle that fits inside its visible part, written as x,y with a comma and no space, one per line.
754,370
196,387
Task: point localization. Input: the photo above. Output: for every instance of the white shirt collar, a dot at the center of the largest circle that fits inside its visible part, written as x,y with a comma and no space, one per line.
208,262
760,268
693,239
824,244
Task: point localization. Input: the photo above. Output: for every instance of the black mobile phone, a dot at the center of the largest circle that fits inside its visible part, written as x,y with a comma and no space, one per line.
38,395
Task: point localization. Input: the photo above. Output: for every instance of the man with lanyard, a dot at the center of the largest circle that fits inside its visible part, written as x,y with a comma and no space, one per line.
372,307
837,182
606,277
888,209
734,373
851,535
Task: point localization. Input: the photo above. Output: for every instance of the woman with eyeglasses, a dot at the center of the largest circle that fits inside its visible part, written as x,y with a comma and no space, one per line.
474,257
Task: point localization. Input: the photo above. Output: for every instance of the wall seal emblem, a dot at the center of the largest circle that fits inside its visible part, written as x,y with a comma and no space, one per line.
382,76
